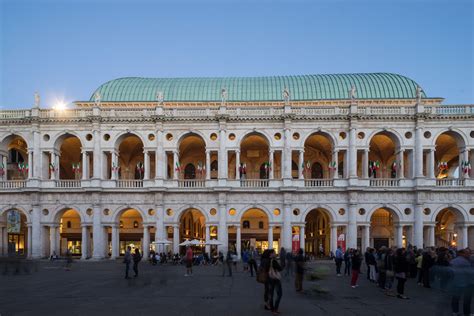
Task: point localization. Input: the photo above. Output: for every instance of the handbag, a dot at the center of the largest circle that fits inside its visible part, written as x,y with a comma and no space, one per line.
389,273
272,273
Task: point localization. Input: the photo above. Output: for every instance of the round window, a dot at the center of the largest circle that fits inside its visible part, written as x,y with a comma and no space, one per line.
296,136
106,137
213,211
232,212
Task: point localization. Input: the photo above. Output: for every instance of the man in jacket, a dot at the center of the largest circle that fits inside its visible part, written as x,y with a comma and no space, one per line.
127,260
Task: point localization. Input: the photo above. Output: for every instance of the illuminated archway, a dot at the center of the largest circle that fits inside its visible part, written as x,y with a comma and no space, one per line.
318,233
14,162
448,155
318,154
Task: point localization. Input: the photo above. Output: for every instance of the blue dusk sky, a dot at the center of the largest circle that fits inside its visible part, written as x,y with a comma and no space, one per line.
66,49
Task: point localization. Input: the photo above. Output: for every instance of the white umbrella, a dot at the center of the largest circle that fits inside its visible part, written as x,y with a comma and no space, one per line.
213,242
185,243
162,242
195,242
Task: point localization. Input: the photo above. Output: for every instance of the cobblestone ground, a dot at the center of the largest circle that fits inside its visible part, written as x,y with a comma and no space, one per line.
100,288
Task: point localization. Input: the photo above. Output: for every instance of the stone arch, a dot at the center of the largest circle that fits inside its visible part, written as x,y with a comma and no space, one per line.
394,135
60,210
394,210
457,134
255,132
17,208
58,141
122,209
458,210
121,136
191,133
329,135
242,211
323,207
179,213
7,139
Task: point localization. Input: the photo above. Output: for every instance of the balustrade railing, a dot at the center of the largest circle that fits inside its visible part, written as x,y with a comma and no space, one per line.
384,182
129,183
12,184
318,183
67,183
254,183
449,182
191,183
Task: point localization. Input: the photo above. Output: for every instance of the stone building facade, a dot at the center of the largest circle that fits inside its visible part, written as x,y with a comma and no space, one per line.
298,161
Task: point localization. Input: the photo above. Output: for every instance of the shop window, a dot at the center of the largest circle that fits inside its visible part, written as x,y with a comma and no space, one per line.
246,224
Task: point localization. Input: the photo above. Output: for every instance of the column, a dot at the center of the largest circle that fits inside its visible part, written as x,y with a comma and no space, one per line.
418,227
400,164
85,165
302,237
333,238
159,156
222,231
35,164
208,165
208,238
271,156
175,238
463,233
287,155
30,163
98,234
471,160
286,229
351,238
418,156
53,229
5,163
335,159
300,164
365,164
56,164
222,173
431,235
29,252
52,159
84,242
146,158
270,237
175,162
115,241
2,240
36,233
366,237
238,242
352,153
237,164
97,166
399,235
431,173
146,241
114,175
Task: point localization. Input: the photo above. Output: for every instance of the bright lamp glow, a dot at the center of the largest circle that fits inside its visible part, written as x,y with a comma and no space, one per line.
59,106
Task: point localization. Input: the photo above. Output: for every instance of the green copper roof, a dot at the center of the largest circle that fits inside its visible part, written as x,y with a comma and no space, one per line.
306,87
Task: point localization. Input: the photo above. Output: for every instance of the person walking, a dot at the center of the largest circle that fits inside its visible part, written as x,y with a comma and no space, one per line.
263,274
137,257
289,264
282,256
463,275
356,262
127,259
300,266
347,262
371,262
274,277
389,271
366,258
426,264
401,269
252,261
229,260
339,259
419,264
221,261
189,261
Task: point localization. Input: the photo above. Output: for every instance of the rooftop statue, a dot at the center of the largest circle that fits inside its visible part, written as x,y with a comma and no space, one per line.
160,97
352,93
286,95
97,99
224,95
419,90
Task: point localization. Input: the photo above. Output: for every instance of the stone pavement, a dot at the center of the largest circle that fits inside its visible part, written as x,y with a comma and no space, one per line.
94,288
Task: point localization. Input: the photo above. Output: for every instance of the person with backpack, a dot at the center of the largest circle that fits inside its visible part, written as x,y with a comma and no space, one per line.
274,277
339,259
137,257
299,262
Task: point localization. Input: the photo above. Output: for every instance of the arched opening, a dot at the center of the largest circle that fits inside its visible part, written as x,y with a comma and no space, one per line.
192,155
254,155
70,165
130,231
192,227
255,232
449,161
382,162
318,154
131,159
70,232
16,233
447,230
382,228
318,233
14,164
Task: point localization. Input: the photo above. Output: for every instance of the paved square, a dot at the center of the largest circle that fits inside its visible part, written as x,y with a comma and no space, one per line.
99,288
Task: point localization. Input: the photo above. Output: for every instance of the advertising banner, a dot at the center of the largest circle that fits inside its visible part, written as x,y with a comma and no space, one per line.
341,241
13,222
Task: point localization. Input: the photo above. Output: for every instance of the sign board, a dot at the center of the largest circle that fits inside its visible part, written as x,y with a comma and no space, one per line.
295,244
13,222
341,241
